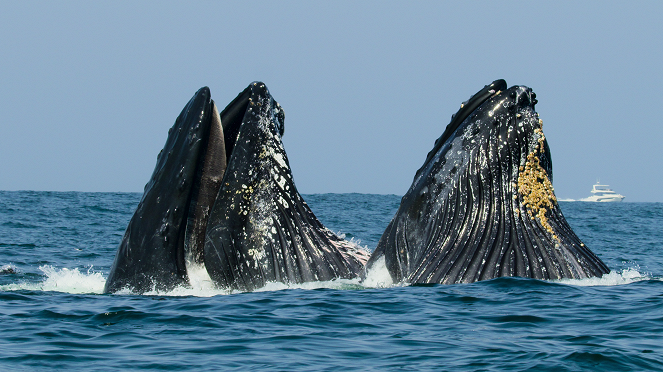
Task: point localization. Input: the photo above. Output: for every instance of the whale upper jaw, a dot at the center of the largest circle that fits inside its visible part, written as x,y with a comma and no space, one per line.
222,196
482,205
151,254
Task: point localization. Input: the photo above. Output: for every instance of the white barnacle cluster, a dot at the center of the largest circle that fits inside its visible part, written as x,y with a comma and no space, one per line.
281,200
272,158
257,254
266,123
280,179
245,193
278,157
262,228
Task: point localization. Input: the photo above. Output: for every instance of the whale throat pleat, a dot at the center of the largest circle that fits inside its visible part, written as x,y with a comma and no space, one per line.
482,206
260,229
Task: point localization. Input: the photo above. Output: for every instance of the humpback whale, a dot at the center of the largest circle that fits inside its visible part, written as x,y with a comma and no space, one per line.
482,205
222,196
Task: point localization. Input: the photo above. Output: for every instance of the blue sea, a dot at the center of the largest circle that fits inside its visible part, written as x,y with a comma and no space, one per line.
56,249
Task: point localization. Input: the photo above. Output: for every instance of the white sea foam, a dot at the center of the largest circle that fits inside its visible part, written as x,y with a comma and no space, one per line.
201,285
8,268
183,291
378,276
72,281
207,289
63,280
330,284
626,276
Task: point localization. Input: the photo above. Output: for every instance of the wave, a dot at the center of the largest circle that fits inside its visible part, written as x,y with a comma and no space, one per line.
74,281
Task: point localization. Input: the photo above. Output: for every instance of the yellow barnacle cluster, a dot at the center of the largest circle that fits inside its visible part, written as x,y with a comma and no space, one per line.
263,153
535,186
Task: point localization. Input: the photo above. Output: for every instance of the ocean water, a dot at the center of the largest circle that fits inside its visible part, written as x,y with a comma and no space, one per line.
56,249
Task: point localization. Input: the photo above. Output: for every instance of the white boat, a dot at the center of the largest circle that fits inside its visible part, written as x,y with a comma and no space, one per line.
603,193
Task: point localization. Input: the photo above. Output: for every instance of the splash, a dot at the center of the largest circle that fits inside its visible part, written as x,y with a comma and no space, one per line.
76,282
626,276
72,281
329,284
378,276
207,289
200,285
8,269
63,280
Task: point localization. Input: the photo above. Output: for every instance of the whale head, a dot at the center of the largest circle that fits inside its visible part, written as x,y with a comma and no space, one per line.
222,196
483,205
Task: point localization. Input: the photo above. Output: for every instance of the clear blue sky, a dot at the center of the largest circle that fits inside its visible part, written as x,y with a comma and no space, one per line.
89,89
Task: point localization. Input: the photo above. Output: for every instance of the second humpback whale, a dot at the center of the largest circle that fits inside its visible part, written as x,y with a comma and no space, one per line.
222,196
482,205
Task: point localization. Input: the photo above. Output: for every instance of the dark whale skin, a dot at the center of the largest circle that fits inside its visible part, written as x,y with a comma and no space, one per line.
260,229
151,253
222,195
482,206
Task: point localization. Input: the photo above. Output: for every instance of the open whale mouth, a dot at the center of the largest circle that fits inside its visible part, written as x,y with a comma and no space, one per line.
222,196
167,231
220,133
218,145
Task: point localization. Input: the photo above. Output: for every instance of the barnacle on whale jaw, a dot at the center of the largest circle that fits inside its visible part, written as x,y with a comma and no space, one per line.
534,185
482,205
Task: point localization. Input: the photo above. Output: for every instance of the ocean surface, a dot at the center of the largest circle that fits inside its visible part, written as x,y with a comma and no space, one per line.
56,249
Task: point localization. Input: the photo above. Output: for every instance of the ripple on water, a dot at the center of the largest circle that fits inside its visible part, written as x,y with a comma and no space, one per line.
54,316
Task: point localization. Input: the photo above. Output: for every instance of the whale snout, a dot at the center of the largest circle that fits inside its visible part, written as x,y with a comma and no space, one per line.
524,96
